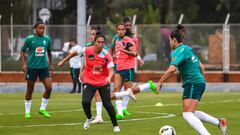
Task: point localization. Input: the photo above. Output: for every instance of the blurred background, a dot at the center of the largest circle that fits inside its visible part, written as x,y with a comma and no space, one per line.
212,28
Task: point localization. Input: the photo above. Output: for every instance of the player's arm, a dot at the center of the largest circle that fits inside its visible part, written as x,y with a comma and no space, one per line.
70,55
81,72
22,54
24,65
80,51
130,50
169,72
110,66
202,69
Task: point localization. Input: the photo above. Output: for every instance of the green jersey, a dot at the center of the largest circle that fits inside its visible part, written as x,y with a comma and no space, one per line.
92,43
188,64
114,40
37,46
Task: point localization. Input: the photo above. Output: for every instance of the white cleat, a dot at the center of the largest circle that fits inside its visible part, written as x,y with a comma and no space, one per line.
87,123
116,129
131,95
97,120
223,126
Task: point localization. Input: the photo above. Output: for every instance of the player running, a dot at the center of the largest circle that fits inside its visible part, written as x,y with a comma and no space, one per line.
192,73
97,75
37,66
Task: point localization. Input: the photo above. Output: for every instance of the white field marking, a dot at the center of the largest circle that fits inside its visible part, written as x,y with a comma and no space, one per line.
143,106
164,115
62,111
177,104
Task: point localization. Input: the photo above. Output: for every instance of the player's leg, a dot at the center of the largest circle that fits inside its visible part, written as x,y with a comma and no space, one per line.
46,79
129,77
126,85
105,96
98,119
31,77
190,104
118,83
73,76
221,122
77,72
87,96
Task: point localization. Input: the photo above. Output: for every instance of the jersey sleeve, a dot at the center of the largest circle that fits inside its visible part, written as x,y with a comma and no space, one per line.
113,42
80,50
177,57
27,41
109,61
49,44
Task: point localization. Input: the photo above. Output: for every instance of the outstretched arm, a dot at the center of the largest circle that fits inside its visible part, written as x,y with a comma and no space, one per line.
70,55
169,72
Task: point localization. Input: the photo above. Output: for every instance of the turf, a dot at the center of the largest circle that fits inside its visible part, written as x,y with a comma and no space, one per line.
67,115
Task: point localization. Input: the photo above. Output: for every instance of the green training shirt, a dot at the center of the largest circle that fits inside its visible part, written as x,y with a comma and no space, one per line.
37,46
188,64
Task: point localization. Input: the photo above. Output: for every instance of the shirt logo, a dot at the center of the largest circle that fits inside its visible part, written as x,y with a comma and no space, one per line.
91,57
44,42
39,51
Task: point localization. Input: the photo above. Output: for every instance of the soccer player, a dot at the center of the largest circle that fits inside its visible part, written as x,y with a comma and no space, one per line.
192,73
37,66
97,75
75,66
98,119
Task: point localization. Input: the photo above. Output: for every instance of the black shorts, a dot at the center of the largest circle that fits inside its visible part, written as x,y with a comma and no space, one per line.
193,91
127,74
33,74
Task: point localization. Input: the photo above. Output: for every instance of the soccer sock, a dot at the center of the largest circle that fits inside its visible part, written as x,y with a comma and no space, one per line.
195,123
28,104
121,94
125,102
119,107
99,109
44,104
206,117
144,87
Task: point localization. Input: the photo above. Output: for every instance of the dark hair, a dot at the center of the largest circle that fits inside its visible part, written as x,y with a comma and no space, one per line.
37,23
127,19
73,40
181,29
120,24
99,29
177,35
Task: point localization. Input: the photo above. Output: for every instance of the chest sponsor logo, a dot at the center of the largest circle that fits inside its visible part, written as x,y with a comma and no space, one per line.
91,57
39,51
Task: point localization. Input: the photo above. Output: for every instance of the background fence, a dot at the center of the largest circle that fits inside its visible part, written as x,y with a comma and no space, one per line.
216,45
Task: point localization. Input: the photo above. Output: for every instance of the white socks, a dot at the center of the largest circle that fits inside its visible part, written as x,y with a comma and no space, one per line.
206,117
195,123
44,104
144,87
28,104
121,94
125,102
99,109
119,107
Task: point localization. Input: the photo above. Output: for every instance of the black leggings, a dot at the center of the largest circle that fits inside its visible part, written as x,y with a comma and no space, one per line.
104,91
75,74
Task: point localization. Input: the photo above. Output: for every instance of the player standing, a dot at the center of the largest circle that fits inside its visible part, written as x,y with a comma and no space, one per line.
38,46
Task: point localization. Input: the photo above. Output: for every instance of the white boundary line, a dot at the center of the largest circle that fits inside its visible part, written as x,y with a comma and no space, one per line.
164,115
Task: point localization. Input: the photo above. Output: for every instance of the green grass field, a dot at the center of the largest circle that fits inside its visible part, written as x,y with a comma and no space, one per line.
68,117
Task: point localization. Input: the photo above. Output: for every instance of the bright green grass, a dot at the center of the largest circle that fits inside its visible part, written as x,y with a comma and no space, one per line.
211,103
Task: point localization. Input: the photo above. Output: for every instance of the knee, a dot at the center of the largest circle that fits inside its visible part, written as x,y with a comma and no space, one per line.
86,103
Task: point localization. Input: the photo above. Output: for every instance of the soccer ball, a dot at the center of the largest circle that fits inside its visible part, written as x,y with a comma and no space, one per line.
167,130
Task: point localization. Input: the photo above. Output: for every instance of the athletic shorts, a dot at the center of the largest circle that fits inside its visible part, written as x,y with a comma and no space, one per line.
193,91
33,74
127,74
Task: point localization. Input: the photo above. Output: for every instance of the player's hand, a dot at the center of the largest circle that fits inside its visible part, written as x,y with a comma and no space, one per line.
141,62
51,68
108,79
159,86
60,63
24,68
81,76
